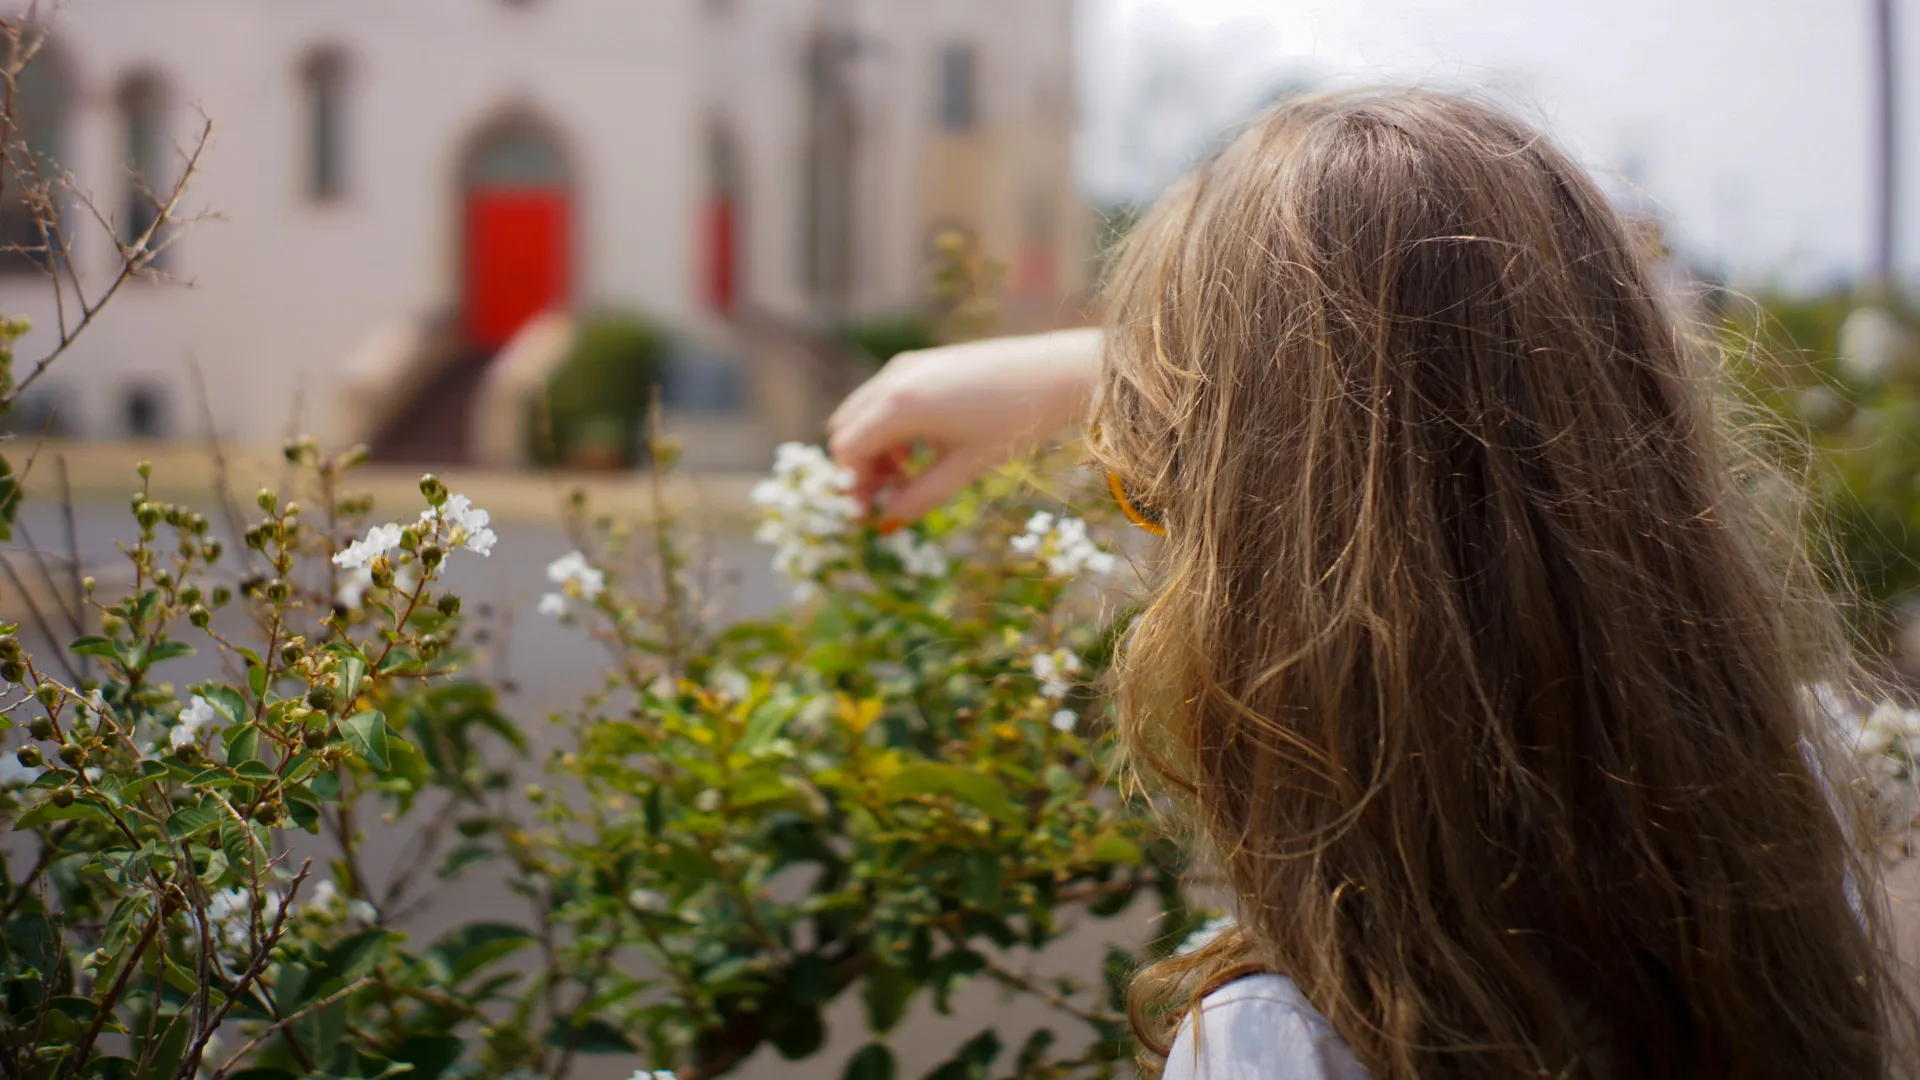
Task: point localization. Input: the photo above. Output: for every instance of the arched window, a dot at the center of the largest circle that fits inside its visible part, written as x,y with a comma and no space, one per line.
145,152
323,80
42,106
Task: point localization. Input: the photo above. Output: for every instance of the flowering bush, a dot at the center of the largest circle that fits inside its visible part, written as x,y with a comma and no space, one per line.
897,787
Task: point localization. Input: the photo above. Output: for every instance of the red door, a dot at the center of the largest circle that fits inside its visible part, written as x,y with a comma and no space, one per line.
516,259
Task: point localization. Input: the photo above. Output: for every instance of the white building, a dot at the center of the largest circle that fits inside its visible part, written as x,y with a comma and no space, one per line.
402,185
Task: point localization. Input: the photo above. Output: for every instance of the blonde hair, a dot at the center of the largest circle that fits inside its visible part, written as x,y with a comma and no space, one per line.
1477,671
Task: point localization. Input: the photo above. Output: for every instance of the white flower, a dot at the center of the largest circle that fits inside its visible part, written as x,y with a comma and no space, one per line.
466,524
1065,721
1062,543
707,801
353,588
553,605
732,684
1204,936
328,903
807,510
93,773
576,577
1055,670
648,900
197,715
922,558
359,555
657,1074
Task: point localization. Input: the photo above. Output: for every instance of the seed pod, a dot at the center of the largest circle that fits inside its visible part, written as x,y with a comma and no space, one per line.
321,697
450,605
267,814
47,693
12,670
188,753
431,556
291,652
315,738
42,728
9,645
30,757
63,798
73,754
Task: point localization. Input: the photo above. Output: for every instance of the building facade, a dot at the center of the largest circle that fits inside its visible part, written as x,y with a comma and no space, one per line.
390,173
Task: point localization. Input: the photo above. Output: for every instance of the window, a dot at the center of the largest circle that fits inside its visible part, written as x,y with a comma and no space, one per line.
145,411
142,101
42,102
721,226
324,78
957,106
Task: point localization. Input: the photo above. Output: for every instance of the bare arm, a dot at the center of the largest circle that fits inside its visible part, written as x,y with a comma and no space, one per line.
977,405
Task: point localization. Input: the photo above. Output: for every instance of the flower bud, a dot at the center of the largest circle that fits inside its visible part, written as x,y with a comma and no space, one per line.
73,754
320,696
256,538
163,577
190,593
145,469
251,583
88,584
277,590
47,693
188,753
267,814
431,556
221,595
315,738
382,571
63,797
266,500
359,455
199,616
42,728
434,490
12,670
148,514
197,524
293,451
410,538
211,550
291,652
9,645
30,757
449,605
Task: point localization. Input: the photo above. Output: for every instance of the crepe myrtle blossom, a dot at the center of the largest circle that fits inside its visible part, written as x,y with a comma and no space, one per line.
807,511
577,578
921,557
466,524
359,555
330,904
657,1074
1062,544
1055,670
194,719
1065,721
1204,936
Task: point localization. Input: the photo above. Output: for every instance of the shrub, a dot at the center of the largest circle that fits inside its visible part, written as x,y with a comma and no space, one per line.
884,339
596,403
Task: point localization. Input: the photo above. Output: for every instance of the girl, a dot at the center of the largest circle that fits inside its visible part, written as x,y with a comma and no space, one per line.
1483,684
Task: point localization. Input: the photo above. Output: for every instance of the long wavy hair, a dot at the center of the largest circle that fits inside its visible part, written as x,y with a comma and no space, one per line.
1471,655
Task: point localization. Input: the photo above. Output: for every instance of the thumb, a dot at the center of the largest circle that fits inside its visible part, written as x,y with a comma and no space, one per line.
931,488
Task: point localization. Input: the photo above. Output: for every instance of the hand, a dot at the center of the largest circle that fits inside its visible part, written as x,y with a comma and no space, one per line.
976,405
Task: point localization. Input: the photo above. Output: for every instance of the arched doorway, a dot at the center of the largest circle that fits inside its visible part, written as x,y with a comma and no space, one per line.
517,222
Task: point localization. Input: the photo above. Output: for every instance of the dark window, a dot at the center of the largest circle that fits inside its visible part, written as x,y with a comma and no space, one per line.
146,412
42,104
144,130
324,79
700,379
958,110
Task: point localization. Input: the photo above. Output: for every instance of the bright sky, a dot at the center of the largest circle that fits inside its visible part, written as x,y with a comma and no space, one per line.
1745,122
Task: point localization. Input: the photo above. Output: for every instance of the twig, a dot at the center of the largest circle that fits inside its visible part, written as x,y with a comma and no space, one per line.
286,1022
105,1005
39,617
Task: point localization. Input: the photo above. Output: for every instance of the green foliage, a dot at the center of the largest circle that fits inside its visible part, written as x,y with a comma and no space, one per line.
1863,425
596,403
875,796
883,339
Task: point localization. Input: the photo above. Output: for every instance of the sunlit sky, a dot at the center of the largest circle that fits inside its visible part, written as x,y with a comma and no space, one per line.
1745,123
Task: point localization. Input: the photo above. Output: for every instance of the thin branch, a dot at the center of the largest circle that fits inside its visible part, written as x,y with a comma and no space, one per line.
287,1022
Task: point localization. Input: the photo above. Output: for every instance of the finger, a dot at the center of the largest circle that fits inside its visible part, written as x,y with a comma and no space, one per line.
873,430
858,401
880,473
931,488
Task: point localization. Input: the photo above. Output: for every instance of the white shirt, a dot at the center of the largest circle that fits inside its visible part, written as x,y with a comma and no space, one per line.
1260,1028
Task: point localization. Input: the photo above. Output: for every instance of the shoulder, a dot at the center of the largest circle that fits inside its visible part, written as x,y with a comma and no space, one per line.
1259,1028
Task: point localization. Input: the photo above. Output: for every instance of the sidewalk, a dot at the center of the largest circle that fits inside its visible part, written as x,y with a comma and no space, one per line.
186,473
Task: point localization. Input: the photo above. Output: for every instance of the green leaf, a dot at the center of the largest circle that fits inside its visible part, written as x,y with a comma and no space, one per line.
353,668
326,786
430,1055
168,650
80,810
94,645
257,679
796,1029
887,991
596,1036
352,958
243,744
975,789
9,499
227,701
1115,849
766,721
810,979
871,1062
366,732
190,822
244,851
474,946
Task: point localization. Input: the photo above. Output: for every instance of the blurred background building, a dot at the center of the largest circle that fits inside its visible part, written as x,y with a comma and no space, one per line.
430,208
